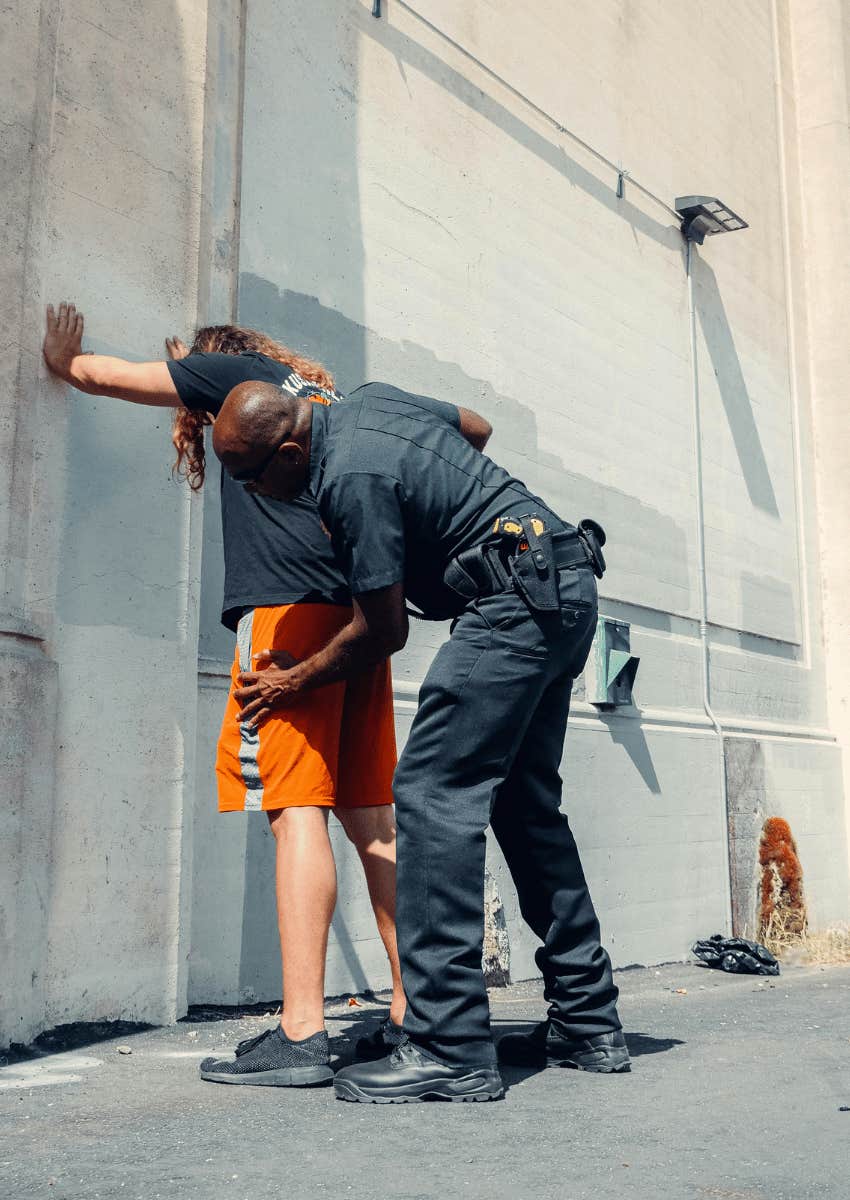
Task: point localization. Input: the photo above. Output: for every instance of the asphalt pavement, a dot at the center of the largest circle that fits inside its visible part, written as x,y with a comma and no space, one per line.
736,1091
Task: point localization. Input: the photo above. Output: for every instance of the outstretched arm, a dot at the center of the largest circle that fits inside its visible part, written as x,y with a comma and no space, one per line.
100,374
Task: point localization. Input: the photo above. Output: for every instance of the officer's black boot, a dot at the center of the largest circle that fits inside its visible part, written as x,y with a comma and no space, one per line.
549,1045
408,1076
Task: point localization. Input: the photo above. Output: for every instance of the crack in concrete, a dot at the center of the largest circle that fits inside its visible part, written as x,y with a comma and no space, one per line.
144,223
421,212
157,587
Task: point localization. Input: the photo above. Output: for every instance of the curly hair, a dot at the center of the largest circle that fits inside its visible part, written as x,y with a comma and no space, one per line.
188,431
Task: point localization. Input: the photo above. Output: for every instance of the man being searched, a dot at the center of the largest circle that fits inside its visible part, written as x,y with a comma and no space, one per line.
415,511
334,750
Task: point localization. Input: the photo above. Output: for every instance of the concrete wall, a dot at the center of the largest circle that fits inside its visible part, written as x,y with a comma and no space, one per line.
379,194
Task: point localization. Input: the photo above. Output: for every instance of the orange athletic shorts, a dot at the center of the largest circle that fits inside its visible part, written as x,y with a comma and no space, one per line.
334,746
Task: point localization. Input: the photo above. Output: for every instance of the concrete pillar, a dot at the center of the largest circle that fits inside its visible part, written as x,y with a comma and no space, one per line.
28,675
99,550
820,39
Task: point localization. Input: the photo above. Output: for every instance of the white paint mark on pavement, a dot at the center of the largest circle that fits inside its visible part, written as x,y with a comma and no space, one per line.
58,1068
176,1053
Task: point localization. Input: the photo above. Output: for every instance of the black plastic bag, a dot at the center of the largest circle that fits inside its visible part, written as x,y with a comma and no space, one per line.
736,955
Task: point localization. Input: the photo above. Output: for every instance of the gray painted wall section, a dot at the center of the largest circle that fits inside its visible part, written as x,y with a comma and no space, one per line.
405,217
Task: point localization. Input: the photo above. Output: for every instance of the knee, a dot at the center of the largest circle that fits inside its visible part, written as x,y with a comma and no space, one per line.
366,826
297,822
276,818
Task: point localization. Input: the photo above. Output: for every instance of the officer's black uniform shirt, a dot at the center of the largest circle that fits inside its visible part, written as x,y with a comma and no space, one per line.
402,492
274,553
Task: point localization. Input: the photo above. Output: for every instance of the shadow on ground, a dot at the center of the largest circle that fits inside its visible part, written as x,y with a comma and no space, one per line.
71,1037
361,1024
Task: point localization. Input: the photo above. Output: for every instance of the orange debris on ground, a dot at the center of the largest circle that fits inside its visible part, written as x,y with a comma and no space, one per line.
781,889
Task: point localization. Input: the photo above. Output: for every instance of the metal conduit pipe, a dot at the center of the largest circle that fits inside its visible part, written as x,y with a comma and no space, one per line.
703,587
620,172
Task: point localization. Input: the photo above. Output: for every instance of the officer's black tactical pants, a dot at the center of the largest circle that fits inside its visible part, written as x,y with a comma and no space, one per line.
485,747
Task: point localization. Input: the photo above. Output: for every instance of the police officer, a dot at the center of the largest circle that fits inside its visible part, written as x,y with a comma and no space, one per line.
415,511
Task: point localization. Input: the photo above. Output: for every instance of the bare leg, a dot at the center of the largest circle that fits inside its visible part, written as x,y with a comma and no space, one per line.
372,832
306,896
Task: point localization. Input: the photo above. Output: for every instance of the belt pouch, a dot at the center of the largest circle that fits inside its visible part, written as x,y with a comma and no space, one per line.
535,575
593,536
468,575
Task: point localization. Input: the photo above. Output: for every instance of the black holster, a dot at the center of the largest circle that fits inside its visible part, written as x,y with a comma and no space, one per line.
534,571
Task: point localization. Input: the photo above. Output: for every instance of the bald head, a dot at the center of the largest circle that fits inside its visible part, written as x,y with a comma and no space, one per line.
253,415
262,431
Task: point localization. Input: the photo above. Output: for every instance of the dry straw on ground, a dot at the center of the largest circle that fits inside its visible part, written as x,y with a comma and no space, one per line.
783,938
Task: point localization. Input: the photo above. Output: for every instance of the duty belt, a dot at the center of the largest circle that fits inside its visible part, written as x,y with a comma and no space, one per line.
522,554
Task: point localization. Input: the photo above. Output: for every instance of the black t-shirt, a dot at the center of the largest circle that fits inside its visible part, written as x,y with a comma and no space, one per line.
402,492
274,552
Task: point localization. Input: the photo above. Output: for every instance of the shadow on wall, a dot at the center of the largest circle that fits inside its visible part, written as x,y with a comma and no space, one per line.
629,734
345,346
733,389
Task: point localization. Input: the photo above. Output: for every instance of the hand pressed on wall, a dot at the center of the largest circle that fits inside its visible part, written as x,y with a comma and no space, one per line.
271,687
176,349
63,338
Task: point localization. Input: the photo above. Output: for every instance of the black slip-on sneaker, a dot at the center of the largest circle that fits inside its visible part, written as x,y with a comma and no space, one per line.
271,1059
407,1076
546,1046
380,1042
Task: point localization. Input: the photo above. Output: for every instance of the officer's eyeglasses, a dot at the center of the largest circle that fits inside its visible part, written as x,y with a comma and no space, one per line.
254,474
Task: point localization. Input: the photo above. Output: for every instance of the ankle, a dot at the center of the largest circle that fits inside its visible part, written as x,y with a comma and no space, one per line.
397,1010
298,1030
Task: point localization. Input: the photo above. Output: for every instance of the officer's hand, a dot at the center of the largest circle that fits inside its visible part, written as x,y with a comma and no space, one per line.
270,687
176,349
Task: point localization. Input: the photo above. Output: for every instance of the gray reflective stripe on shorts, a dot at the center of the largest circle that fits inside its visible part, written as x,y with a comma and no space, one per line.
250,740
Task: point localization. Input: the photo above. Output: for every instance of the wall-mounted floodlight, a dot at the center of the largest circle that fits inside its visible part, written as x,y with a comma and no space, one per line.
706,215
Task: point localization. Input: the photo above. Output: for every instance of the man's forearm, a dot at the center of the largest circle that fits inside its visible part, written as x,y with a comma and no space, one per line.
352,650
377,629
